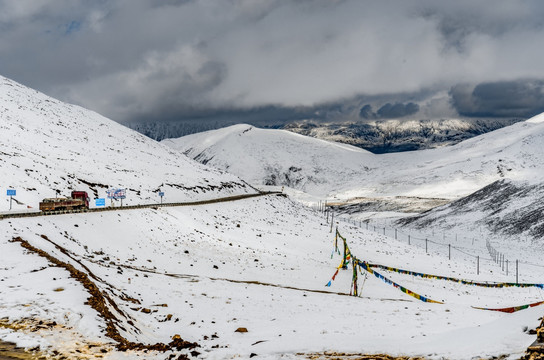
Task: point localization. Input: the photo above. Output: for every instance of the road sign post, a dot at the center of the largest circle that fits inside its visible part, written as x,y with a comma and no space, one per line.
116,194
11,193
161,194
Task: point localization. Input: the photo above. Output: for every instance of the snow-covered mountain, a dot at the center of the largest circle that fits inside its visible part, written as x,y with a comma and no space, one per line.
233,280
393,135
276,157
48,148
512,209
327,169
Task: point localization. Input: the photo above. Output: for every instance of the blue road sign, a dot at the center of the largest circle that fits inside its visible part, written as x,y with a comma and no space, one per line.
161,194
100,202
11,192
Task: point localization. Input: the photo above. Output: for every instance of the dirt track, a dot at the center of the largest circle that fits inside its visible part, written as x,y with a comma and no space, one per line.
9,351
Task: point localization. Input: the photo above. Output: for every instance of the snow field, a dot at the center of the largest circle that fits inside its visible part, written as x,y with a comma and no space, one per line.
279,298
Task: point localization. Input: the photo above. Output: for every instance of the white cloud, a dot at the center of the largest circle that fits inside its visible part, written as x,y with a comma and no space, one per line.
141,54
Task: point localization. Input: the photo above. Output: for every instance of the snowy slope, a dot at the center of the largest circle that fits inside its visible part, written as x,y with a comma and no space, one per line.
276,157
510,209
78,284
49,147
512,206
329,169
260,264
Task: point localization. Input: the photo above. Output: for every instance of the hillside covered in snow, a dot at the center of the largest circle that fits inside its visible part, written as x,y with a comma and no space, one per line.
276,157
257,277
377,136
49,148
332,170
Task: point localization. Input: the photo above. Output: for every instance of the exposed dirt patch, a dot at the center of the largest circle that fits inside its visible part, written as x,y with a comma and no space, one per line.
406,204
99,302
9,351
351,356
93,186
77,349
222,186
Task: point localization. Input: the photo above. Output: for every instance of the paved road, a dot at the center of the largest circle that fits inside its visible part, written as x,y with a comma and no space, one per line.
143,206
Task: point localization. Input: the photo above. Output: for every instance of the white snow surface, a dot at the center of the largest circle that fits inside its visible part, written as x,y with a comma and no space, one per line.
205,271
260,264
328,169
47,145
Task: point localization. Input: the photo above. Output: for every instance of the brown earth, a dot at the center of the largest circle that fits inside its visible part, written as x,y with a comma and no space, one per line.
99,301
351,356
9,351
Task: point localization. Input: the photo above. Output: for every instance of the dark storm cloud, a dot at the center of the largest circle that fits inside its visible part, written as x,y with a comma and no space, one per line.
135,59
520,98
159,3
459,22
389,111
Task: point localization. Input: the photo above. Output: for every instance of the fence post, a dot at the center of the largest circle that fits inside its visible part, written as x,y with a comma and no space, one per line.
384,230
517,278
478,265
506,267
367,225
425,245
408,239
449,251
395,234
327,216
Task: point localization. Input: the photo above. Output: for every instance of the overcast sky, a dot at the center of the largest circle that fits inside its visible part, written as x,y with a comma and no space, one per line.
153,60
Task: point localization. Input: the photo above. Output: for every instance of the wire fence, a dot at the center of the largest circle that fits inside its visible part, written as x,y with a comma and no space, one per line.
506,265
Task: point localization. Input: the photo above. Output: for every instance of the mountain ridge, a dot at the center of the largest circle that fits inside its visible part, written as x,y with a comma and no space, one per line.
79,149
270,157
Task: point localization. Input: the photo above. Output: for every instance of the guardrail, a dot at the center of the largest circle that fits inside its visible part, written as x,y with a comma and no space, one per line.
142,206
